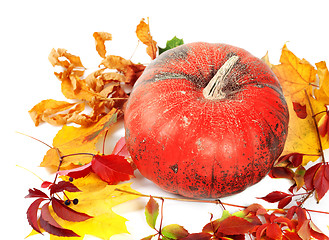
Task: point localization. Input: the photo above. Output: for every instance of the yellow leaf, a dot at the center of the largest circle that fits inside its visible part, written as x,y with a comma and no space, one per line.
322,94
100,38
97,199
302,136
71,140
144,35
294,75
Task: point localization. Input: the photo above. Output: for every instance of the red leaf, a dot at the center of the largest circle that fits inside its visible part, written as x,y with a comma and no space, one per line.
46,184
48,223
284,202
78,172
112,168
291,235
309,176
36,193
63,186
32,214
294,159
273,231
121,148
234,226
324,125
281,172
198,236
300,110
320,182
67,213
260,231
275,196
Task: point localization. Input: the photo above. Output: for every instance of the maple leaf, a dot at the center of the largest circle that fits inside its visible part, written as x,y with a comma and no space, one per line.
294,75
70,140
97,199
297,78
144,35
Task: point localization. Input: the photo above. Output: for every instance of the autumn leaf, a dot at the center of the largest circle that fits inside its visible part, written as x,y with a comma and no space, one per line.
174,231
100,38
144,35
49,111
297,78
97,199
151,212
71,140
295,75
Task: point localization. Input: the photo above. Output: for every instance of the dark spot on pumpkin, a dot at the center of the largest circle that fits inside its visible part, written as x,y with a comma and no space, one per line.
174,168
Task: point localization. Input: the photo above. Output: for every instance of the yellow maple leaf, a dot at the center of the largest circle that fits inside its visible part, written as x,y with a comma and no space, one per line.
297,78
71,140
322,94
295,75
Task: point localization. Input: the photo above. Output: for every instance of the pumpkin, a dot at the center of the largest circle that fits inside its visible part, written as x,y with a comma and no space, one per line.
206,120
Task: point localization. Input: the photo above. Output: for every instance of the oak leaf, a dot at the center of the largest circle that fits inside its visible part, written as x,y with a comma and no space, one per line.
97,199
144,35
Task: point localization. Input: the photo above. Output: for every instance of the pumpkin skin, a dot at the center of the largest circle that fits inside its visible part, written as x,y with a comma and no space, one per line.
197,147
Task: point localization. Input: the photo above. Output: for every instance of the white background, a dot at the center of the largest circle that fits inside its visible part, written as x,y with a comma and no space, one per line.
30,29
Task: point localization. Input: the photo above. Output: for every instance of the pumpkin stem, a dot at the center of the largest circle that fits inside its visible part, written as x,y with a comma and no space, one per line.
213,90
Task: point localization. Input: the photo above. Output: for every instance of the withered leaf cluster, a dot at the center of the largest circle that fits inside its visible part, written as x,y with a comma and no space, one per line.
95,94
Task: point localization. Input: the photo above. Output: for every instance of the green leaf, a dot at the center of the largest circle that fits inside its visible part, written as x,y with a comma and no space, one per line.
174,42
151,212
174,231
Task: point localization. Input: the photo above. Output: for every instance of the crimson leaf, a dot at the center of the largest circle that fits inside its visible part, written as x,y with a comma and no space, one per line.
300,110
275,196
309,176
48,223
78,172
198,236
36,193
112,168
234,226
121,148
67,213
32,214
63,186
321,182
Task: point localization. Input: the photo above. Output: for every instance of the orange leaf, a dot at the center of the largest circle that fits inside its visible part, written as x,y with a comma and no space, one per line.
100,38
144,35
45,110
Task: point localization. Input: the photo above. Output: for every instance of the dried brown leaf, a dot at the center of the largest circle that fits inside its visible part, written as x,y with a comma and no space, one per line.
100,38
144,35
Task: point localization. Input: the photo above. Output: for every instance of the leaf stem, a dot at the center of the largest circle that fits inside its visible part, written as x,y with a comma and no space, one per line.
35,139
316,126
